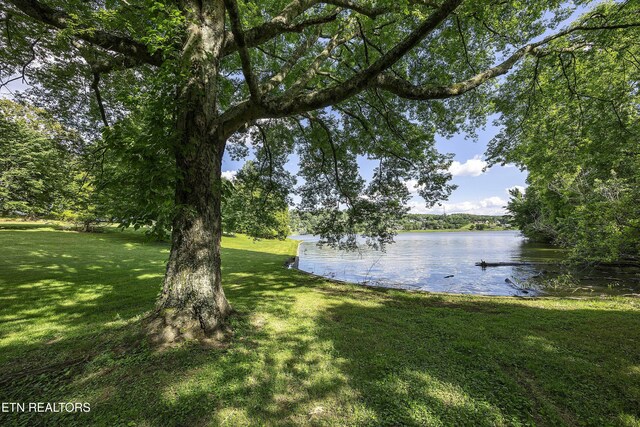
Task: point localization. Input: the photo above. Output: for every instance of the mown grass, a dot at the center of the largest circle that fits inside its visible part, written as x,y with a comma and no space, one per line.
305,351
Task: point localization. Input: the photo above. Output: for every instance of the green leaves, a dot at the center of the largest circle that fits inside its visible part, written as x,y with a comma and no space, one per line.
36,162
571,119
138,174
255,202
163,30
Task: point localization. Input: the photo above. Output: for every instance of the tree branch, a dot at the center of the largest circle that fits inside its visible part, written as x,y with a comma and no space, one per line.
312,71
279,24
363,9
334,155
23,73
245,60
103,62
62,20
283,23
288,65
96,89
337,93
375,11
405,89
464,45
6,19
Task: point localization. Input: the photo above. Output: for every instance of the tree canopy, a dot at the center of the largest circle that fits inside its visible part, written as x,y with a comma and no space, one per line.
282,64
574,126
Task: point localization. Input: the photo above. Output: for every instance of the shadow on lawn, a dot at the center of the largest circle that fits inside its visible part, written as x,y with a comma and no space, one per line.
441,360
379,357
97,354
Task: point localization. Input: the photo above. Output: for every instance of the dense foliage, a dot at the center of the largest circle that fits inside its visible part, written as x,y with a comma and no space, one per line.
572,120
40,171
253,204
47,171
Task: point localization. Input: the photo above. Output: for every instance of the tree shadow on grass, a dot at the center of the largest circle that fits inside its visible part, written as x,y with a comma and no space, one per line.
85,342
451,360
258,379
75,280
358,356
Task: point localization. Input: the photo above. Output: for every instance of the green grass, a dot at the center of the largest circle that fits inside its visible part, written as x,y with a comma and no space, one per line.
305,351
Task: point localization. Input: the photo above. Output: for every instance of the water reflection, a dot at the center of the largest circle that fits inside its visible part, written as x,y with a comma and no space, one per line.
445,262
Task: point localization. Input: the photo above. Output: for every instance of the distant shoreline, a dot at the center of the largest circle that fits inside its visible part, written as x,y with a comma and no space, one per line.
450,230
455,230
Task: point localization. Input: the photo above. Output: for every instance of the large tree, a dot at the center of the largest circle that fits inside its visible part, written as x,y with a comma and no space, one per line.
332,80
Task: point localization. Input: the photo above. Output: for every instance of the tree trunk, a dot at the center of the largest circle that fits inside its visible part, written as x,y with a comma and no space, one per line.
192,303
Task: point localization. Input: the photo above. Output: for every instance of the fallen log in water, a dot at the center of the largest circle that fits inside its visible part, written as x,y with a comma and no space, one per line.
484,264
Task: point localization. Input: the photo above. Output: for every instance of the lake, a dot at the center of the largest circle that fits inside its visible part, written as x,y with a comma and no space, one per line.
445,262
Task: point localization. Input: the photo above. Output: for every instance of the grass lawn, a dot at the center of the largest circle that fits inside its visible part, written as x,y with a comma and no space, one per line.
305,352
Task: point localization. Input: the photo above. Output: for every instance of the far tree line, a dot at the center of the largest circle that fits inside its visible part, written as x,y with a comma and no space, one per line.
304,223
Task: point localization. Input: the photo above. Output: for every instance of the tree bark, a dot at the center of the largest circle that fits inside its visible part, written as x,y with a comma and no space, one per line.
192,303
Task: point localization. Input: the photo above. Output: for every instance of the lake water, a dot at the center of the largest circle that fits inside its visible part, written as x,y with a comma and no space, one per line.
445,262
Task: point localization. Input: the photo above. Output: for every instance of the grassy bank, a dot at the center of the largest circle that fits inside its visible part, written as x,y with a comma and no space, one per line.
305,351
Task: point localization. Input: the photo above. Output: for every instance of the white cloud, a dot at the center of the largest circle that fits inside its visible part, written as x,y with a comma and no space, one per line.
488,206
230,175
412,185
472,167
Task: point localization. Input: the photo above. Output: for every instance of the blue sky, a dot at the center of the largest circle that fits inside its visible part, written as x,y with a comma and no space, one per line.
478,192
